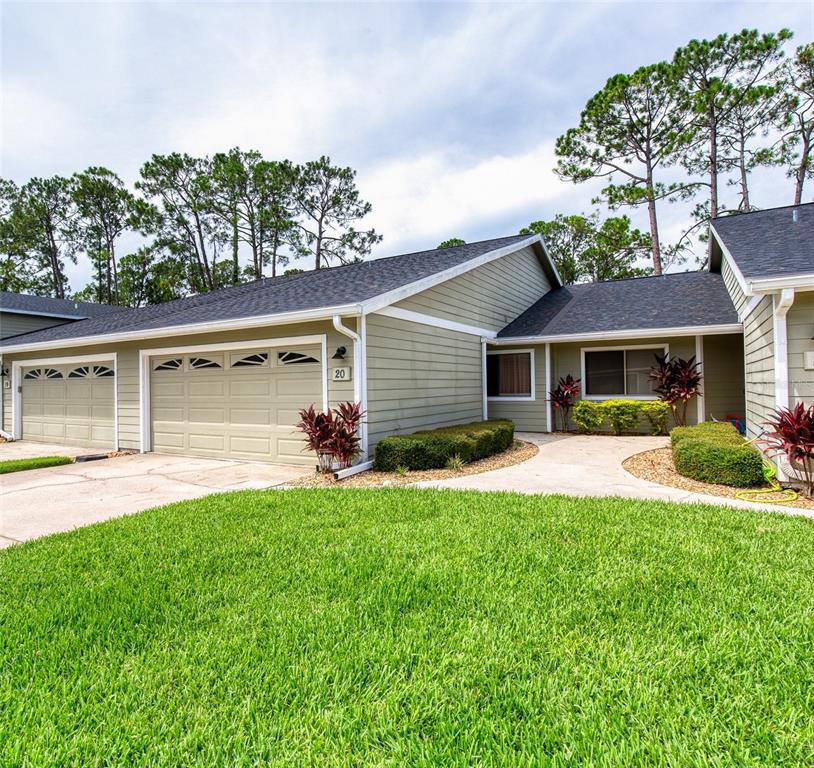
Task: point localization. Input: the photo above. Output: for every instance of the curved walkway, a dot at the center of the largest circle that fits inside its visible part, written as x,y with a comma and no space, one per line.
590,465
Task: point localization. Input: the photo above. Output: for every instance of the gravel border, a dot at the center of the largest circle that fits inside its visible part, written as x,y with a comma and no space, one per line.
519,452
657,466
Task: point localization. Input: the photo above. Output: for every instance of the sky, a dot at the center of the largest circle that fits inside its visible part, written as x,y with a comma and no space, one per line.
448,111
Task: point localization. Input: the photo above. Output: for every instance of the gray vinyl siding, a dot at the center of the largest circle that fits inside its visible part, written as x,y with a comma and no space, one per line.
527,415
420,377
490,296
758,333
723,376
731,282
800,329
128,384
13,324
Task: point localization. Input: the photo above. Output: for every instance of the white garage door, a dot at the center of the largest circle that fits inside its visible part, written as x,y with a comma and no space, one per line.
236,404
70,404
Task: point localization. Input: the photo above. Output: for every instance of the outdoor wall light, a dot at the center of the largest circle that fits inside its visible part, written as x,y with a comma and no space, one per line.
339,354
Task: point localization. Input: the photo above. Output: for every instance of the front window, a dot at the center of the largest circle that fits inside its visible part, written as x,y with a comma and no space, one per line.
620,372
509,374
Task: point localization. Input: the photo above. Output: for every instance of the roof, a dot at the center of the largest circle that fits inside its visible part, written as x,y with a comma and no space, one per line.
314,290
680,300
22,303
778,242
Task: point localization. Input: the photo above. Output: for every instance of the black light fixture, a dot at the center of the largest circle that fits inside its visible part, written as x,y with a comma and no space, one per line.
339,354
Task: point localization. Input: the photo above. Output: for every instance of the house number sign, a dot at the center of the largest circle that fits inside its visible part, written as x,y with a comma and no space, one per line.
341,374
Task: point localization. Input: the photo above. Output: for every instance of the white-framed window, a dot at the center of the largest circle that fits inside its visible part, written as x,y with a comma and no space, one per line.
510,374
609,372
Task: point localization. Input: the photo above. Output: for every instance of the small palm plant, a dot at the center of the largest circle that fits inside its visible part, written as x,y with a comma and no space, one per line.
791,434
562,397
677,381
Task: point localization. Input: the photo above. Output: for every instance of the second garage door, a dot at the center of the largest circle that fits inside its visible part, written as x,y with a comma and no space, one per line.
237,404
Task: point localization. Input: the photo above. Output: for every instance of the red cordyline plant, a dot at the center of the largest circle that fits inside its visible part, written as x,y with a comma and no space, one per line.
791,434
562,397
677,382
333,435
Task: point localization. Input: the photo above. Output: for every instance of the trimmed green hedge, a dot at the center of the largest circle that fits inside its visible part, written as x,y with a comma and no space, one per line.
714,452
621,415
432,449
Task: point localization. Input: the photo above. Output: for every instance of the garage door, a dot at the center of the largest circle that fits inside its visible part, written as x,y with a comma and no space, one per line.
237,404
70,404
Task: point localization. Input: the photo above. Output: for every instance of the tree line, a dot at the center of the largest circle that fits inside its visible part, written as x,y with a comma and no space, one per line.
196,215
693,128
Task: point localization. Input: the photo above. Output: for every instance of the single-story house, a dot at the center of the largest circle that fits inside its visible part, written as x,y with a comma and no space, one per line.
20,313
422,340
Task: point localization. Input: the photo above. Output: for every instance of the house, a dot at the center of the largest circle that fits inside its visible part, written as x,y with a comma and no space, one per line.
20,313
421,340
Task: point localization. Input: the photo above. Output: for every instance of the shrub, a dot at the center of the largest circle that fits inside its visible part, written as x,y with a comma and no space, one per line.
716,453
622,415
433,449
677,382
791,434
455,462
562,397
333,435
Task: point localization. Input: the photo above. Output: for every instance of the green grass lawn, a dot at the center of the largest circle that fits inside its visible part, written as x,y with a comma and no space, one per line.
37,462
405,627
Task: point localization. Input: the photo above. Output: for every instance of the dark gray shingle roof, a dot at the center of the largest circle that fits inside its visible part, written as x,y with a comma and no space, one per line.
770,243
337,286
669,301
22,302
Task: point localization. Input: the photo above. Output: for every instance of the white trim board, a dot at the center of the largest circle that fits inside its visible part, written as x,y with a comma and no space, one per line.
145,421
618,395
515,398
435,322
323,313
16,386
635,333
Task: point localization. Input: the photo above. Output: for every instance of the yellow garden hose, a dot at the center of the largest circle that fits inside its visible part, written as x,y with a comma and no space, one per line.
769,475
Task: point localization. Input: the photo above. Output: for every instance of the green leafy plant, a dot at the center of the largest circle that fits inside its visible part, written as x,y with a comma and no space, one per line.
677,381
455,462
401,470
716,454
432,449
622,415
588,415
791,434
562,397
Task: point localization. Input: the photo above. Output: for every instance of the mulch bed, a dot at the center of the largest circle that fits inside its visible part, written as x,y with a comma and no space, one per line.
519,452
657,466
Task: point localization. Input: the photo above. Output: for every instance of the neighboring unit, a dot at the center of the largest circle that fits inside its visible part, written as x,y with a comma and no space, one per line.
20,314
425,340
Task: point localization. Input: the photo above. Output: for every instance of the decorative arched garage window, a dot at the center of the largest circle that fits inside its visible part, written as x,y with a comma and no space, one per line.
203,362
102,371
169,365
82,372
256,358
293,358
44,373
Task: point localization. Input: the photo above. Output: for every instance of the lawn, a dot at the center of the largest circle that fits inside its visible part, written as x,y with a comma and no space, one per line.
405,627
37,462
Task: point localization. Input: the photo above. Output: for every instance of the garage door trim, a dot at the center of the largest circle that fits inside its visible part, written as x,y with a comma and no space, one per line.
17,380
145,418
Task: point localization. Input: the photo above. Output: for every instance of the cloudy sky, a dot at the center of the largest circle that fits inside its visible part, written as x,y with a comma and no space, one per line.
448,111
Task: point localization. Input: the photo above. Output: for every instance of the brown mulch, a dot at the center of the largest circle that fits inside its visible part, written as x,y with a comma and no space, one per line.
657,467
116,454
519,452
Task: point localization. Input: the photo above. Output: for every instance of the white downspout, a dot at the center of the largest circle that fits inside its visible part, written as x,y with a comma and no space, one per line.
483,382
782,303
359,374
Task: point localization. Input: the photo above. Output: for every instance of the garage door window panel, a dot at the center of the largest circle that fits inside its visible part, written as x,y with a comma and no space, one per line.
253,360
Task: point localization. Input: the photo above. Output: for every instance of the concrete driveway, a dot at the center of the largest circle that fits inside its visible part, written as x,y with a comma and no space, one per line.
42,501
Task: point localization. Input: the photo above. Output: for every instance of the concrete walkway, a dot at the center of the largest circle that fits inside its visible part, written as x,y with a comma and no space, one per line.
590,465
42,501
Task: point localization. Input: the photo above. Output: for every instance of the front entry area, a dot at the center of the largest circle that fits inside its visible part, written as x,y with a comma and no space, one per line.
70,404
235,404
